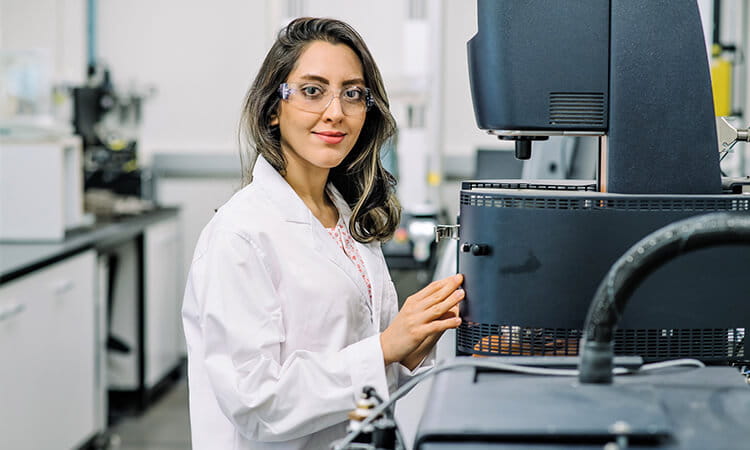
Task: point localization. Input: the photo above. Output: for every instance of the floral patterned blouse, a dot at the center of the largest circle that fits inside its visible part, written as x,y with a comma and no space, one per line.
340,234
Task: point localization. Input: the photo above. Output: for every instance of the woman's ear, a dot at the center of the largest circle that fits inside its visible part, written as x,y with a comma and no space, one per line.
274,120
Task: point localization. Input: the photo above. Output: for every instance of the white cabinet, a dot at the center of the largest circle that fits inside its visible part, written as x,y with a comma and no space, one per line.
163,297
49,386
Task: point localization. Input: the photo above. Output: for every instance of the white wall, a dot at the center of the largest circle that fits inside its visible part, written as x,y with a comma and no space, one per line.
56,25
460,135
201,57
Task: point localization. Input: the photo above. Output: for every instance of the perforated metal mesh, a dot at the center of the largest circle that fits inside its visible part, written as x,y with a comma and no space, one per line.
710,345
557,185
593,203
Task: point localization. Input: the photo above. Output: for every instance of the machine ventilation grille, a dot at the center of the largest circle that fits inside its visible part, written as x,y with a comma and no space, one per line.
577,108
709,345
598,203
511,184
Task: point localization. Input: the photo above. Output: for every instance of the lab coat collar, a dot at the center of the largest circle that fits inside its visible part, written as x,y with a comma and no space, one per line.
283,197
293,209
286,199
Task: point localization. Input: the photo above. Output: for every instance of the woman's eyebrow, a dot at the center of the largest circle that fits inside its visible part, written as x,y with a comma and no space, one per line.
317,78
324,80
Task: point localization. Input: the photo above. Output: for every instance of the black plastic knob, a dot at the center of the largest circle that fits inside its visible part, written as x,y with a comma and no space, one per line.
523,149
480,249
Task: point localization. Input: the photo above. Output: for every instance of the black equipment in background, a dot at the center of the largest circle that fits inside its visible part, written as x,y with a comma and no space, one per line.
108,124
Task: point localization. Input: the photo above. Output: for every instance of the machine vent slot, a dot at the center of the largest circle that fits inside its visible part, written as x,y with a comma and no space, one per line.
494,200
577,108
503,184
722,345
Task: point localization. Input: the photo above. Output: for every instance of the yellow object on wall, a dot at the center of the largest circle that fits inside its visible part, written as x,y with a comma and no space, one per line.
433,178
721,82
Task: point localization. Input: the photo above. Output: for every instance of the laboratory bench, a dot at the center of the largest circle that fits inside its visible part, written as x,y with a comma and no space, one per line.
89,328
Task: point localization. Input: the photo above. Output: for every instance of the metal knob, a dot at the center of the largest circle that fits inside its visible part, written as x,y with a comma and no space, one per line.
475,249
480,249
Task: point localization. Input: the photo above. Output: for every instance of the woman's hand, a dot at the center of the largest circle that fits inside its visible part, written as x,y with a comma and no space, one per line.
421,321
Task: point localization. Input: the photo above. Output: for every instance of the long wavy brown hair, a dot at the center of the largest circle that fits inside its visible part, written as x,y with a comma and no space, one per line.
366,186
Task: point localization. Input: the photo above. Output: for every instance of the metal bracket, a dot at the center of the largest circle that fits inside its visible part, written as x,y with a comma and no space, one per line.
729,135
446,232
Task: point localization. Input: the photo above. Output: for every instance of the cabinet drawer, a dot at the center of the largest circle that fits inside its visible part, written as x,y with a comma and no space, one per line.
47,349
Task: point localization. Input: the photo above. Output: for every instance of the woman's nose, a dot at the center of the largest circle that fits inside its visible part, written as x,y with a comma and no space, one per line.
333,111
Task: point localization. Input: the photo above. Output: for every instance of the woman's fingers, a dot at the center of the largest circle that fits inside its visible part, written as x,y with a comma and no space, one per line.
442,289
440,325
423,317
453,312
433,293
433,287
451,301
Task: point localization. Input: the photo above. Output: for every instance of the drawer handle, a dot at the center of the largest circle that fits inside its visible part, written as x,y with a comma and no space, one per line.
12,310
63,287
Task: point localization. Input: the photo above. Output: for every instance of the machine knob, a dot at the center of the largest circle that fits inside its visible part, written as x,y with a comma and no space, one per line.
480,249
523,149
475,249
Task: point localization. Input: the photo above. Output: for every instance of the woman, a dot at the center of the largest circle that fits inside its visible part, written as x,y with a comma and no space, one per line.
289,309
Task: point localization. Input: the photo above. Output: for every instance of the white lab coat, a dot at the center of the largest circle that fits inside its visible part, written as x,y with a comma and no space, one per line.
277,319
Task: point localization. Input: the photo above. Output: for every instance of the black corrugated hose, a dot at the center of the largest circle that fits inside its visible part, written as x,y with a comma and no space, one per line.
634,266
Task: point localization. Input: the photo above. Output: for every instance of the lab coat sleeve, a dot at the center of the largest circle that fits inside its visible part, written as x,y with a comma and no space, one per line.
268,399
403,374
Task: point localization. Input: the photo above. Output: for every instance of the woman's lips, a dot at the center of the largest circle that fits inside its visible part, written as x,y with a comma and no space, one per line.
330,137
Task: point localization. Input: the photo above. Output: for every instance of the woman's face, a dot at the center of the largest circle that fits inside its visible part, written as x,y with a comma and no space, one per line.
321,140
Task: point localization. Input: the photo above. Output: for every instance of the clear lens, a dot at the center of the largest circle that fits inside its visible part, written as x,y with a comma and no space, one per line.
316,98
